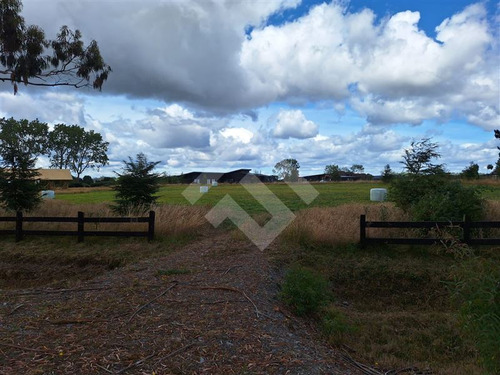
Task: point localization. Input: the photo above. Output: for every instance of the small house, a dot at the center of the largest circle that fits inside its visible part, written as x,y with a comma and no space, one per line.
54,178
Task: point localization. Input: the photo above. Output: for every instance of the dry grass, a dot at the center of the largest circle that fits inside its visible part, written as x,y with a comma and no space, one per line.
340,225
82,190
170,219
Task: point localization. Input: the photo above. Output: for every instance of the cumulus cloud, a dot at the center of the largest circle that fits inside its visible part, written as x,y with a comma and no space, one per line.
293,124
197,52
391,72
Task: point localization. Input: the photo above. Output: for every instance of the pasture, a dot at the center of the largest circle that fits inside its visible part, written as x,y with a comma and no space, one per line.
329,195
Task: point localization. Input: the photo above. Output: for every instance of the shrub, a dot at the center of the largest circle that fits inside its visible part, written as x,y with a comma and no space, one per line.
435,197
305,292
136,186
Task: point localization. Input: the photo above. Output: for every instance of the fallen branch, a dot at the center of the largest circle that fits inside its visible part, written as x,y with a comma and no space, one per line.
364,368
54,291
24,348
15,309
148,303
75,321
231,268
137,363
230,289
104,368
177,351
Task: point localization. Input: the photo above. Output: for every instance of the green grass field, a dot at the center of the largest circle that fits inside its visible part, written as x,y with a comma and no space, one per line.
330,194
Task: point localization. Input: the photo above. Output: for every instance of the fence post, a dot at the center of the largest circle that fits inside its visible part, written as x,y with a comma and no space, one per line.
151,226
19,226
466,226
362,230
81,222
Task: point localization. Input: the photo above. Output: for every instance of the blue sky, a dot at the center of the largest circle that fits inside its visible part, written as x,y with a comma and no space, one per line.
216,85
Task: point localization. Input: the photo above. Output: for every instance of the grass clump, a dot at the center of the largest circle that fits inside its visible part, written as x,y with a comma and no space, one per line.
477,290
305,291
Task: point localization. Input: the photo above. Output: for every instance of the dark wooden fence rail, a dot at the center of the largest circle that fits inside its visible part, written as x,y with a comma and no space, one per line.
465,225
81,233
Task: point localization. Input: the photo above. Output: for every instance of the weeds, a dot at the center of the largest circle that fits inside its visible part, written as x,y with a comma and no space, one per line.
305,291
477,290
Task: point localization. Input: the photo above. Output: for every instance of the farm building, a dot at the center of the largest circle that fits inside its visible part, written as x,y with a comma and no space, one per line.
221,177
345,177
54,178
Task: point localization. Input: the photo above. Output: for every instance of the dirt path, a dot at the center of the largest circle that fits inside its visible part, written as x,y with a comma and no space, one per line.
209,308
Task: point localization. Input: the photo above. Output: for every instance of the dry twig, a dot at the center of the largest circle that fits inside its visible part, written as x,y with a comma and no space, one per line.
151,301
231,289
137,363
24,348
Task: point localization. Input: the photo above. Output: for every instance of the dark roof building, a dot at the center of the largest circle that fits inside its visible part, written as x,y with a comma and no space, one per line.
221,177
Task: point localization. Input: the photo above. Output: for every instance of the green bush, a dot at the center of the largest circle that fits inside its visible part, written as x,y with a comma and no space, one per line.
435,198
305,292
477,290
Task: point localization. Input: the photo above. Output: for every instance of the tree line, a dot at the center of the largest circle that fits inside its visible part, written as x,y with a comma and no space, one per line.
22,142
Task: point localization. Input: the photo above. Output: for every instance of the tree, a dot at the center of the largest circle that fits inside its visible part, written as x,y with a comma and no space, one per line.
357,168
62,140
21,142
387,173
27,57
417,159
88,180
471,172
333,171
497,165
85,149
288,170
72,147
429,194
136,185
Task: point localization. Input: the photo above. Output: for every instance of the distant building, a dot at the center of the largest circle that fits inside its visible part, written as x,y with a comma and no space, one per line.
221,177
317,177
54,178
345,177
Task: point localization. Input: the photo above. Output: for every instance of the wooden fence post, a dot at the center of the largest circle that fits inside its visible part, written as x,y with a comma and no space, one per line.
466,226
362,230
19,226
151,226
81,228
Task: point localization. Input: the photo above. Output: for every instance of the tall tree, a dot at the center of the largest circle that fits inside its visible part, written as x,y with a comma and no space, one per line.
288,170
27,57
357,168
88,150
471,172
334,172
387,174
62,140
21,142
497,166
418,158
136,185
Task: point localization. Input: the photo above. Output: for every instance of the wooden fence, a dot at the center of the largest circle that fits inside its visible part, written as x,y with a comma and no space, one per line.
465,225
80,220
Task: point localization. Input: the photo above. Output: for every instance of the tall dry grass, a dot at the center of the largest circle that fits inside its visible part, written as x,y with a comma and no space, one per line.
340,225
170,219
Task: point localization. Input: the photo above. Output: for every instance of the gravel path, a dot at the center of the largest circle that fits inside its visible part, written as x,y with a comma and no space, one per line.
208,308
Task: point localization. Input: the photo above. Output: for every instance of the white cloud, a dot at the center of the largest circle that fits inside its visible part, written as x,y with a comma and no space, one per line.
239,134
293,124
391,72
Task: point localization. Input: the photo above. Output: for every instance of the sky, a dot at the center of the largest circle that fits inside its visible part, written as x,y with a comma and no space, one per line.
213,85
